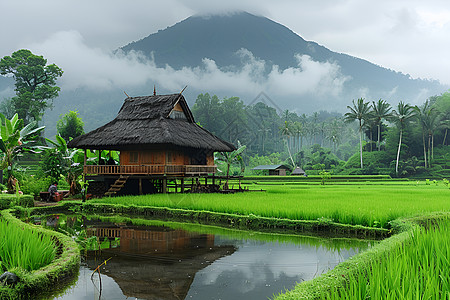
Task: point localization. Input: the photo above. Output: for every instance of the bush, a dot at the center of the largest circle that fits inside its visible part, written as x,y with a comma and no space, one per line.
25,201
10,200
35,185
378,159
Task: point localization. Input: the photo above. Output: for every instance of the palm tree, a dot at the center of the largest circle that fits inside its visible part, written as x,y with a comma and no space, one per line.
369,124
429,119
297,128
380,110
286,131
422,117
445,123
334,133
401,117
434,123
359,111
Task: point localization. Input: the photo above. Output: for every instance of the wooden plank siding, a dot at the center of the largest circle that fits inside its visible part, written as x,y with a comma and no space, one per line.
164,157
148,169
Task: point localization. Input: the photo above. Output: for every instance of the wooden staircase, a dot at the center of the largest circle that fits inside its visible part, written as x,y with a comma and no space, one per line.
117,186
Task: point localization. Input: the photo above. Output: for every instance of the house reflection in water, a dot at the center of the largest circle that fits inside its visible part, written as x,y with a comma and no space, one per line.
155,262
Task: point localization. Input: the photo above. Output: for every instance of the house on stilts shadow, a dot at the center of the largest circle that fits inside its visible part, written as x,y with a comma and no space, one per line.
161,148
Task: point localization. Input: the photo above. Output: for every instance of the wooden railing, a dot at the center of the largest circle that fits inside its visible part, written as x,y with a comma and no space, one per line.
148,169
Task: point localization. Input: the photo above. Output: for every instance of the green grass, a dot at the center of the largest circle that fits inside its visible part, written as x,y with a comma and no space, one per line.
24,248
418,269
364,204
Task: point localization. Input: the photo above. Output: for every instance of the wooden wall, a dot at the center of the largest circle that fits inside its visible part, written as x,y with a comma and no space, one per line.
162,157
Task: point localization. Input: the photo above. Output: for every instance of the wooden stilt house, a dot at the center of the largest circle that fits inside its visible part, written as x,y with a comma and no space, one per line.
158,140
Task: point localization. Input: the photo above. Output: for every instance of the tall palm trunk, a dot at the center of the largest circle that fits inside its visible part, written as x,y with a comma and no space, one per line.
398,152
424,149
379,143
360,142
445,136
429,152
432,146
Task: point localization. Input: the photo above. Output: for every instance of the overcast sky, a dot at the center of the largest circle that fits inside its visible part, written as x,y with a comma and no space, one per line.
410,36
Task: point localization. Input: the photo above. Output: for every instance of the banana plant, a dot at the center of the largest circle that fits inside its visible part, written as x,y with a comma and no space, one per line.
232,157
14,140
71,163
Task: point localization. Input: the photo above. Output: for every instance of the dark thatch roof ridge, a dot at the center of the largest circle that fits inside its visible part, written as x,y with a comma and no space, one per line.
272,167
151,107
145,121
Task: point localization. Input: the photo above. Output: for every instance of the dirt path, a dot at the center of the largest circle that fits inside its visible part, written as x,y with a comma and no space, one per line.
41,203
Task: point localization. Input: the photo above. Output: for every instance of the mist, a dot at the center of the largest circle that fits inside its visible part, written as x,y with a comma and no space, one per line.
94,68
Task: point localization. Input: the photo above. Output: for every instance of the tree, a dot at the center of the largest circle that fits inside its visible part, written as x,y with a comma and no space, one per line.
70,125
381,110
206,111
286,131
15,139
401,117
442,105
334,133
359,111
35,83
232,157
422,115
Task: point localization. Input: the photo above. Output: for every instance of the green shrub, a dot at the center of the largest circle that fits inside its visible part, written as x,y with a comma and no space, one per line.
25,201
10,200
34,185
376,158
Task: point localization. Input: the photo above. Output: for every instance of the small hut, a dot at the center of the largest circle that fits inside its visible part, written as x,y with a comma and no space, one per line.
158,139
299,172
273,169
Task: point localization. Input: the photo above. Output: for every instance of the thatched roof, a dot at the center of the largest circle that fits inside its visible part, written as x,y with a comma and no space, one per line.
272,167
147,121
298,171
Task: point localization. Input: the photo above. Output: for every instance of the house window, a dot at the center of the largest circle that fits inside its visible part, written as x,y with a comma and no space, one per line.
134,157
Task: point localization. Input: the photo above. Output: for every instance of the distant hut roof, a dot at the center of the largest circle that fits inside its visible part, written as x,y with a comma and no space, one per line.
271,167
152,120
298,171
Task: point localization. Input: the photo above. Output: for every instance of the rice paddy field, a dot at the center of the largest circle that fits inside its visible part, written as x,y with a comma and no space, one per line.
24,249
418,269
371,203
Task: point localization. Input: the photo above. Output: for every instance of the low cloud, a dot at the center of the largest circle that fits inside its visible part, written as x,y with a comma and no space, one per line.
93,68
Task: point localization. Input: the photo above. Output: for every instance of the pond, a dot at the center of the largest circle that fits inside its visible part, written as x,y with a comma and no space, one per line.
165,260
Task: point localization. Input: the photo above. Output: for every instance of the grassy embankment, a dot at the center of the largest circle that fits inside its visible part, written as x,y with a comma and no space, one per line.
372,204
416,269
39,257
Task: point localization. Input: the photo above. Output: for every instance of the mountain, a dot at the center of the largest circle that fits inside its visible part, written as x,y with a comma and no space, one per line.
220,38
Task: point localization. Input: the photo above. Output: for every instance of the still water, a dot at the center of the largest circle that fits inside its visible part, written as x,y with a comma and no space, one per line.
197,262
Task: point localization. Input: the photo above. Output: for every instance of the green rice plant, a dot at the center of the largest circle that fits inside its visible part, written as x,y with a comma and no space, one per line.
363,204
418,269
24,248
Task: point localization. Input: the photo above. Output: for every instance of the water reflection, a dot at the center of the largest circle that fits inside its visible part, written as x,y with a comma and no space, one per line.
257,270
161,262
